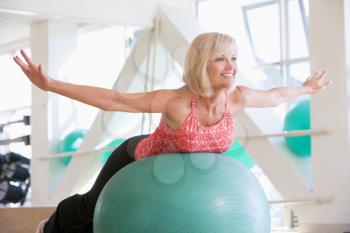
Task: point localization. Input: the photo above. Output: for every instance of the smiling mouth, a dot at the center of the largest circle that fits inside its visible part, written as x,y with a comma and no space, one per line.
228,75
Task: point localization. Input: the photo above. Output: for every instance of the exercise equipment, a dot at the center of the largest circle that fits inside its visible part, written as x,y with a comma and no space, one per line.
237,152
14,167
71,143
14,178
114,143
25,139
10,193
298,118
25,121
196,192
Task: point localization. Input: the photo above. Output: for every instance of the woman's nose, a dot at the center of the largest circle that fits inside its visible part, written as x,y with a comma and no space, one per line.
230,64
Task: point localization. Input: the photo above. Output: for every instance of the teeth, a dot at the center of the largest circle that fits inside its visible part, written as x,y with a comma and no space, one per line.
228,75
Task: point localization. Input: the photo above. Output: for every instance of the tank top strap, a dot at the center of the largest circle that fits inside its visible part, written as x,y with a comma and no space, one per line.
225,101
193,102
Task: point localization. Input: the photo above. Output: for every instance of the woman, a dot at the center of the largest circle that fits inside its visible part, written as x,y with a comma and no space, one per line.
196,117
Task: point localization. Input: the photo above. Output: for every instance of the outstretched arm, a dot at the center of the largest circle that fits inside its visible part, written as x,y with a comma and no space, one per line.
275,96
102,98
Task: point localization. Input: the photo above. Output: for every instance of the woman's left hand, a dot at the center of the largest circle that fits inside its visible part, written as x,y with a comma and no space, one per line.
316,82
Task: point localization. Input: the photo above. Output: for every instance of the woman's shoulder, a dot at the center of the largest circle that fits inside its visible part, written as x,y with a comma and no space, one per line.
162,98
181,100
178,107
237,94
236,99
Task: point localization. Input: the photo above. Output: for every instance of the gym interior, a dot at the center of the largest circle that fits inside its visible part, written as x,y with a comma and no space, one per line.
52,147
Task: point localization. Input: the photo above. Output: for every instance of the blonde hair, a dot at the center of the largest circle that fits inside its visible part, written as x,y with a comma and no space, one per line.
204,47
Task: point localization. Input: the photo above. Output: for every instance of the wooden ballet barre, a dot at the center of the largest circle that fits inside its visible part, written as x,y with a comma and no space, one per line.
79,153
311,201
293,133
257,136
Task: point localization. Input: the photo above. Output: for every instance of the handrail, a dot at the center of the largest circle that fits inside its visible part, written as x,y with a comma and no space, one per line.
292,133
257,136
309,201
76,153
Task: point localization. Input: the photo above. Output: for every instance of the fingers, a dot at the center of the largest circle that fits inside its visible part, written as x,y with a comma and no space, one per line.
317,81
30,67
317,77
40,68
314,76
20,63
327,84
308,79
321,76
41,71
26,57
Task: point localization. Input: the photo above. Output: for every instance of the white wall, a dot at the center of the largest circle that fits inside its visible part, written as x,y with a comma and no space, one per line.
126,12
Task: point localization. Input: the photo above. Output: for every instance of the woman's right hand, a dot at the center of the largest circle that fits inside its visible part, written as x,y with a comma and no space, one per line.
34,72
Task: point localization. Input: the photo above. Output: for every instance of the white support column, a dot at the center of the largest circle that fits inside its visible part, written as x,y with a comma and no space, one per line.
178,27
329,48
52,42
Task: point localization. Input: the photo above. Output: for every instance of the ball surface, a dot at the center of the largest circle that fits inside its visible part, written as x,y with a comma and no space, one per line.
71,143
298,118
196,192
236,151
107,154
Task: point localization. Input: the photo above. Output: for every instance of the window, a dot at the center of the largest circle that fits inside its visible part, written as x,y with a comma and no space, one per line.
276,52
278,32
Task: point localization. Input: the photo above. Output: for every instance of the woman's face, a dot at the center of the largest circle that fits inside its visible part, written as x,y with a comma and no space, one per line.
221,70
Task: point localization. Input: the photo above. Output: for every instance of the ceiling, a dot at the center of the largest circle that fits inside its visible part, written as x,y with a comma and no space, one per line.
15,27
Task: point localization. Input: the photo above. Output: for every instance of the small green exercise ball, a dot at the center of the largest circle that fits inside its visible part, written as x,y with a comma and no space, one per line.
105,155
298,118
71,143
190,192
237,152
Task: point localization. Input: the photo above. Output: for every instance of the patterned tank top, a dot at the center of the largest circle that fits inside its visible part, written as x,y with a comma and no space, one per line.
190,136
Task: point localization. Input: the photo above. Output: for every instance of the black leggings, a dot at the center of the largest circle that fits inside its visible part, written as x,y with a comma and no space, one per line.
75,214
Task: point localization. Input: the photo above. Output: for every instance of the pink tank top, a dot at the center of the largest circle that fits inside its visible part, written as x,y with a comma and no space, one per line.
190,136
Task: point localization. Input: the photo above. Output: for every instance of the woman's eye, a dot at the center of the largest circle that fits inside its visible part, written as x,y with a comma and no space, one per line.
219,59
233,58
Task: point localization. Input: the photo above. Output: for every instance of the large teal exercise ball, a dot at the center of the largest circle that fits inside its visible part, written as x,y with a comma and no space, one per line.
192,193
71,143
114,143
236,151
298,118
